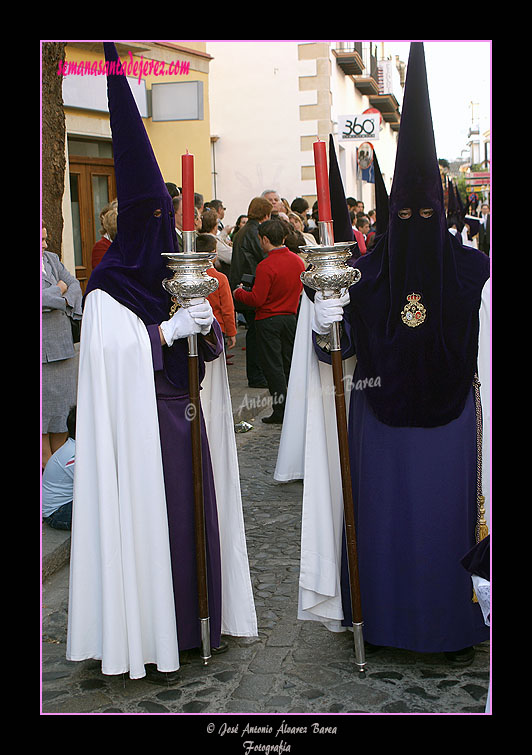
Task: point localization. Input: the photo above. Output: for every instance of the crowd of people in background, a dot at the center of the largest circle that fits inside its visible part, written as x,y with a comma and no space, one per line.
239,249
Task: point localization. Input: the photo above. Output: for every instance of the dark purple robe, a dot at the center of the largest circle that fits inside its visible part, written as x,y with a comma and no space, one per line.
414,494
176,450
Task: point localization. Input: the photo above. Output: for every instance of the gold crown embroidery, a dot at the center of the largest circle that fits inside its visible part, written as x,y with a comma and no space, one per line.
414,312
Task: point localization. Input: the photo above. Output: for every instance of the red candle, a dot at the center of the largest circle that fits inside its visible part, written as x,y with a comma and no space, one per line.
187,172
322,181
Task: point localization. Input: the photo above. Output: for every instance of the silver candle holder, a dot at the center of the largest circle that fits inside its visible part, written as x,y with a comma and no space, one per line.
329,272
190,279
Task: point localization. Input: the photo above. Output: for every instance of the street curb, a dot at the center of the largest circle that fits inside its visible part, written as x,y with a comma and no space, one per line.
55,550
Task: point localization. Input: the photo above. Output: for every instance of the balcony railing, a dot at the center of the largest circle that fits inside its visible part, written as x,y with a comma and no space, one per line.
356,59
348,46
349,57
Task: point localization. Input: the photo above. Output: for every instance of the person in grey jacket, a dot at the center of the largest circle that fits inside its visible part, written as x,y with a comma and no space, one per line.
61,303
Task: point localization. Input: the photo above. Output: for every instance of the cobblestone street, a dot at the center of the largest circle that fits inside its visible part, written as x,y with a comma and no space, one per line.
293,667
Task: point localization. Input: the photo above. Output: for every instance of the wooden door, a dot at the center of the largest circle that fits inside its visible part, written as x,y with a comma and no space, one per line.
92,186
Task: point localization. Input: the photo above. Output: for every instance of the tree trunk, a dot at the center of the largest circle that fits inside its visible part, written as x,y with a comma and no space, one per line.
53,144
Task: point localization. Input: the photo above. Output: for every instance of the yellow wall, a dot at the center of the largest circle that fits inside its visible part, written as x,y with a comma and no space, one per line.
169,139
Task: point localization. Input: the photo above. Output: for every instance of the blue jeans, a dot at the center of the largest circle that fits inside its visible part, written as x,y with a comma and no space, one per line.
61,519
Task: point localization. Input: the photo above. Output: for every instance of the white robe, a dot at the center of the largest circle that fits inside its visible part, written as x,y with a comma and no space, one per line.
238,615
121,603
309,450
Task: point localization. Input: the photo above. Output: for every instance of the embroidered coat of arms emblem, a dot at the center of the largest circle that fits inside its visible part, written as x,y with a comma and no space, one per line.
414,312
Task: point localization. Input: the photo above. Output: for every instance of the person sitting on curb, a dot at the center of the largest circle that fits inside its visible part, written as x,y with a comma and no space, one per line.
58,481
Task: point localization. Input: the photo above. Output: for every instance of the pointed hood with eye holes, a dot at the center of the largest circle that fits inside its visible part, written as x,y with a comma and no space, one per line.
455,211
381,199
342,226
415,311
132,269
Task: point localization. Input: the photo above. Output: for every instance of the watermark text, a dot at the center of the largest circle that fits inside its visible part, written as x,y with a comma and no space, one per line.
131,67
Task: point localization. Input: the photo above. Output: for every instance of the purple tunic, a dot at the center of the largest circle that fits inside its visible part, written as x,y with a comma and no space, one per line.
414,493
174,431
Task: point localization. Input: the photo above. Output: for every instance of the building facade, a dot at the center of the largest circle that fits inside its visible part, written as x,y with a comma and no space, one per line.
270,101
170,82
249,112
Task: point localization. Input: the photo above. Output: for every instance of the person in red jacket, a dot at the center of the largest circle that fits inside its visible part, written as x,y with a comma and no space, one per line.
275,298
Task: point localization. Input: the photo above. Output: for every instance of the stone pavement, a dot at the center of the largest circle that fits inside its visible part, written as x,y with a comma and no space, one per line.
294,671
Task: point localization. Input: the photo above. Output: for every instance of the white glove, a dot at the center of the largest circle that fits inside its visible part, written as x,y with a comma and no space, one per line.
188,320
327,311
202,315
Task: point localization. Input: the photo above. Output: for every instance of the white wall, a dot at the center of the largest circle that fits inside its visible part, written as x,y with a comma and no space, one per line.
253,100
347,99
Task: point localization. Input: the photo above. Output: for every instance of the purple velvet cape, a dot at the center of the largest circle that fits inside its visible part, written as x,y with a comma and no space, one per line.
478,559
426,372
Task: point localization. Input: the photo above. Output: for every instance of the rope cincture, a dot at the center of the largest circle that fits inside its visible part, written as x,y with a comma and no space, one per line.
481,529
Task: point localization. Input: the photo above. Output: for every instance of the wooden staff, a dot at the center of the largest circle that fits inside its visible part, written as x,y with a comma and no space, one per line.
347,494
189,283
199,508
